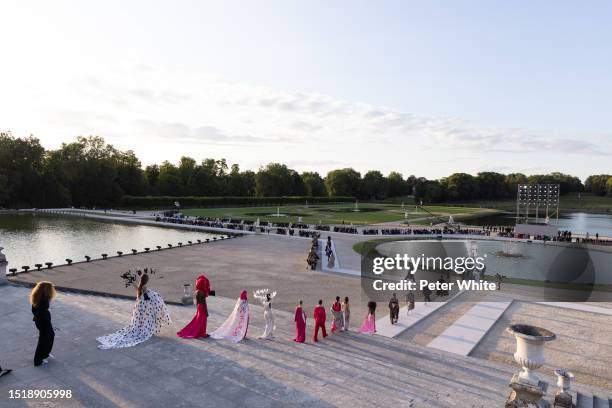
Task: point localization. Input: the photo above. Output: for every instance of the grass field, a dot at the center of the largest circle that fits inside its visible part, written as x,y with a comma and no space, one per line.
584,202
339,213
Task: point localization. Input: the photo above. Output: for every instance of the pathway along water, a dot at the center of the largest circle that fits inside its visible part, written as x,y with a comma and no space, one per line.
29,239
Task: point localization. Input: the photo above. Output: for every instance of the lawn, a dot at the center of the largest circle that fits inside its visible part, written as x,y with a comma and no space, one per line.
585,202
368,213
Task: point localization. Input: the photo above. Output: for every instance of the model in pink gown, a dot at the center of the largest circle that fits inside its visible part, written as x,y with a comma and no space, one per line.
300,324
197,327
369,324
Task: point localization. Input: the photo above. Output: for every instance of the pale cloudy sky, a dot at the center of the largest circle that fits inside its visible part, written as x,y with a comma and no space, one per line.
426,88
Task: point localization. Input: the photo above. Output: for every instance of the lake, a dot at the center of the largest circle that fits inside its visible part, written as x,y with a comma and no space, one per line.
579,223
29,239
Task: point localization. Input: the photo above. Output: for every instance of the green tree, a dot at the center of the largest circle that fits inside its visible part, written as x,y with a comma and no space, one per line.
461,186
609,186
274,180
373,186
343,182
169,180
396,185
492,185
597,184
314,184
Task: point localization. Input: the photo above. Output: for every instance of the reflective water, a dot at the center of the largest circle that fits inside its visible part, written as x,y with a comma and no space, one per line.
578,223
29,239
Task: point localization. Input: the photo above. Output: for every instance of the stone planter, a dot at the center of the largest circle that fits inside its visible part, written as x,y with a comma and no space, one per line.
530,350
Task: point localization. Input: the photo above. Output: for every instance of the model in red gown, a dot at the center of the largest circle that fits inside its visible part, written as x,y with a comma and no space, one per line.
319,318
300,324
337,321
197,327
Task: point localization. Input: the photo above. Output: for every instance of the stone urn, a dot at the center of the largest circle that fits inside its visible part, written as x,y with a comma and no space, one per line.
530,350
187,298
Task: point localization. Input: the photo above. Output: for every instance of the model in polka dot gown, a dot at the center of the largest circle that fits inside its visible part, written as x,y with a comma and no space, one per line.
149,316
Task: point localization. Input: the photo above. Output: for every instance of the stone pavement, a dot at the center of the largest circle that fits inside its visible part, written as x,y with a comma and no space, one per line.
249,262
347,369
405,321
465,334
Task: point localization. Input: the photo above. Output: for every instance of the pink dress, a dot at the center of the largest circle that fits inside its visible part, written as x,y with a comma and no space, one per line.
197,327
300,325
369,324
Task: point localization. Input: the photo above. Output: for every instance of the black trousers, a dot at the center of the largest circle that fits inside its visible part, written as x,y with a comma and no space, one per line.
394,315
46,335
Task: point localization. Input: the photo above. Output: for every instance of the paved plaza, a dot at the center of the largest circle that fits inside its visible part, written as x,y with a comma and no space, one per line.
249,262
453,354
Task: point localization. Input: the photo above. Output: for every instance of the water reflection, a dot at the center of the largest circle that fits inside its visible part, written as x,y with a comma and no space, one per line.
578,223
29,239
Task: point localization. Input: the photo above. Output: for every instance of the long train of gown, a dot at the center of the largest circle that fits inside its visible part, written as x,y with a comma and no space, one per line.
148,317
236,326
197,327
369,324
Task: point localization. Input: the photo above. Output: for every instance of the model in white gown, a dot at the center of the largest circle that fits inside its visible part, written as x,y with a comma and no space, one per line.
148,317
266,297
236,326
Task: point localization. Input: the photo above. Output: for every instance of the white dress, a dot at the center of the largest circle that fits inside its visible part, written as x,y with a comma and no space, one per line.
269,317
148,318
236,325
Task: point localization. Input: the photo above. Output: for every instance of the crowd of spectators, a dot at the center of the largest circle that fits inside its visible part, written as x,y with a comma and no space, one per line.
313,256
313,230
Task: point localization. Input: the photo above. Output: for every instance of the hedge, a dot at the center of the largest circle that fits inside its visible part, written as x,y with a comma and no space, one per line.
162,202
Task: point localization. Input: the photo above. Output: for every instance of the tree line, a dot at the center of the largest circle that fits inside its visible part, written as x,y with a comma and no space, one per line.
91,173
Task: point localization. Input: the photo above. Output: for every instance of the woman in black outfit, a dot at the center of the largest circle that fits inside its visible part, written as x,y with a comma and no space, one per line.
41,295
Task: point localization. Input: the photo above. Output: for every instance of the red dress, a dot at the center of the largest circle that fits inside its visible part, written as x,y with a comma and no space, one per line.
300,325
319,318
197,327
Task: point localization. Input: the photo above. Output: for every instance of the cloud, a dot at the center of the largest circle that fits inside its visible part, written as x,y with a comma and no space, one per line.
305,126
182,133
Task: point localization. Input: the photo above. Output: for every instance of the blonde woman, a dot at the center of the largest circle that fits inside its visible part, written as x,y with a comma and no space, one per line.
149,315
40,297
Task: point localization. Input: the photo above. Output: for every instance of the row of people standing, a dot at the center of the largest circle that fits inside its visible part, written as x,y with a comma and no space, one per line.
150,315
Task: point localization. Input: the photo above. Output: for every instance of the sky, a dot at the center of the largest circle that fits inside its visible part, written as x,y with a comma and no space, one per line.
426,88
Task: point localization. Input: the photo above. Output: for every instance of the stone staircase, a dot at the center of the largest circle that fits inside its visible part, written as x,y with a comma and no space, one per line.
592,401
346,369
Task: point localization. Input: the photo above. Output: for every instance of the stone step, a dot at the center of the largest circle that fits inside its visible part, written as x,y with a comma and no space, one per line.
467,331
345,369
586,400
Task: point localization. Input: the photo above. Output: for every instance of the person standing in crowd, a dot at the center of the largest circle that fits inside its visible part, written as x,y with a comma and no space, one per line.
499,278
300,323
427,294
149,315
319,318
369,324
336,310
40,297
394,309
346,314
331,260
236,325
410,301
197,327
